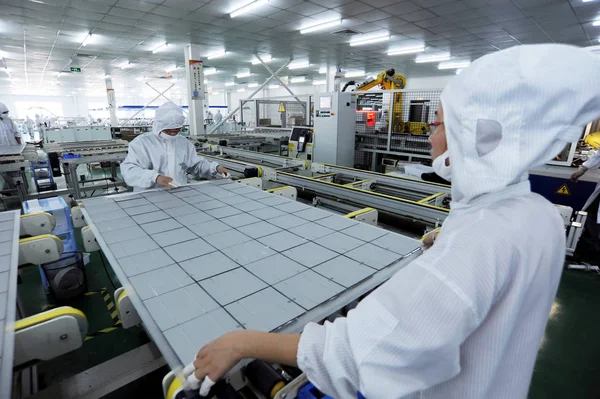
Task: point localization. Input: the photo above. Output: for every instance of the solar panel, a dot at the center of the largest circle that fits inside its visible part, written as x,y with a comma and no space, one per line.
208,258
9,259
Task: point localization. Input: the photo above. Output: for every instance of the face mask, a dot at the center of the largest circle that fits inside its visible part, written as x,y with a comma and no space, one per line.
168,137
440,168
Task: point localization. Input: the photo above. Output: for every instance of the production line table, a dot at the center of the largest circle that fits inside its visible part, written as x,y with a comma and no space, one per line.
208,258
9,258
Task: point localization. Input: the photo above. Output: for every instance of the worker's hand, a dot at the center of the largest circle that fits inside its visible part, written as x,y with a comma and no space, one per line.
222,170
164,181
577,175
218,357
430,239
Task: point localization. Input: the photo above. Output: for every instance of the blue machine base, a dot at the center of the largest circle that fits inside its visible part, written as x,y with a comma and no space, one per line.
548,188
309,391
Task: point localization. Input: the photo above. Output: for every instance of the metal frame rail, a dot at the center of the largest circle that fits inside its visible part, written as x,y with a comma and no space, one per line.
411,209
260,157
399,182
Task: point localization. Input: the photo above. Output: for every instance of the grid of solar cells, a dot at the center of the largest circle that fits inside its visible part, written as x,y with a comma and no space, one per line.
221,256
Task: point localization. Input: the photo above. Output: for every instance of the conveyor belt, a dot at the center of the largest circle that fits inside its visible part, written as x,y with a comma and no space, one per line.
412,209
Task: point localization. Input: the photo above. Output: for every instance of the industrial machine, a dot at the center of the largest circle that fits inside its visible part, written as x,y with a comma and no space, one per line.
334,121
301,142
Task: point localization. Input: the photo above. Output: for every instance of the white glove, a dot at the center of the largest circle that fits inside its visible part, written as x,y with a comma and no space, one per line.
225,176
193,383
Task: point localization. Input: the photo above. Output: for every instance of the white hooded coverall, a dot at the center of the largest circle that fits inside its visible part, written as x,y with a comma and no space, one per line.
8,129
151,155
465,319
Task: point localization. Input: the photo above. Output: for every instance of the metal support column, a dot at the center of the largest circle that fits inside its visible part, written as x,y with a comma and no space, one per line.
112,102
195,106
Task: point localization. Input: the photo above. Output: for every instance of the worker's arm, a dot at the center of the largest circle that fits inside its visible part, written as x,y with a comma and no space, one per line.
16,132
591,163
220,355
200,166
137,167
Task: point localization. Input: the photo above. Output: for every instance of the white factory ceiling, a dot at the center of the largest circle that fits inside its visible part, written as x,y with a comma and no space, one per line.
40,38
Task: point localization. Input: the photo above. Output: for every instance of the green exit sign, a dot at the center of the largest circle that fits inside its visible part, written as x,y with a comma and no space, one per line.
75,69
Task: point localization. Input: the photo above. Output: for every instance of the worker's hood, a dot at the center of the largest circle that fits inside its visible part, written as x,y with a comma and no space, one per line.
167,116
516,109
3,108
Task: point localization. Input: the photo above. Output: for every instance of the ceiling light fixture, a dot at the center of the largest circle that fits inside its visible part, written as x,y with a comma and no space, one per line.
596,22
247,8
319,82
253,85
87,40
229,84
265,58
454,64
218,54
354,74
432,58
274,87
210,71
407,50
320,26
241,90
323,70
244,74
370,40
160,48
299,65
298,79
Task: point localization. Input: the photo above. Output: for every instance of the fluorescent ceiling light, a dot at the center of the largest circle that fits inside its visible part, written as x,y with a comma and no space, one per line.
160,48
299,65
244,74
205,81
298,79
596,23
319,82
247,8
432,58
253,85
265,58
274,87
454,64
320,26
210,71
407,50
229,84
323,70
87,40
377,39
354,74
241,90
218,54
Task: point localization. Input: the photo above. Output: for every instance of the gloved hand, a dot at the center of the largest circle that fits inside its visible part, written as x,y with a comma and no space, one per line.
223,172
193,383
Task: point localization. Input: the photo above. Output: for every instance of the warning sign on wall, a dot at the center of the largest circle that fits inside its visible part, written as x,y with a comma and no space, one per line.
563,190
281,107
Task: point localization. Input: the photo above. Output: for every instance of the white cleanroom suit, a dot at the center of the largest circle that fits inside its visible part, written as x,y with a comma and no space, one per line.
8,128
465,319
153,153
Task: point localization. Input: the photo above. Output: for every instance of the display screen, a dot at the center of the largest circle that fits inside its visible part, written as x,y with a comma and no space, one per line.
325,102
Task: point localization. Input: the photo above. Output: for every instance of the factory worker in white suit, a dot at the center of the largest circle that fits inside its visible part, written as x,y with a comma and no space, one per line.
9,135
465,319
588,247
163,156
